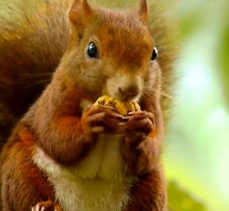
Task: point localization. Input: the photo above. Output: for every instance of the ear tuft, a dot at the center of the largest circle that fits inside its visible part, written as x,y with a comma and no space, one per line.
86,7
80,11
144,11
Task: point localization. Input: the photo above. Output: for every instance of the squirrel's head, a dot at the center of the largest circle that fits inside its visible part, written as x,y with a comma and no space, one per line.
111,52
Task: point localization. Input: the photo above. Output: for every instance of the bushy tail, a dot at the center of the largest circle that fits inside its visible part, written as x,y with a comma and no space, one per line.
33,38
164,31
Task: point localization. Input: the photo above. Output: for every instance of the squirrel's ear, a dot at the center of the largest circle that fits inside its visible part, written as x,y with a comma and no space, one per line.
80,12
143,11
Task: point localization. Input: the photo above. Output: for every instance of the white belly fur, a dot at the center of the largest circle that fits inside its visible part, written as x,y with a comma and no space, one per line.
96,183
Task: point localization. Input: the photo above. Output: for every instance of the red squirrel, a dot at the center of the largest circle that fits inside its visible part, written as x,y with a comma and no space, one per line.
62,155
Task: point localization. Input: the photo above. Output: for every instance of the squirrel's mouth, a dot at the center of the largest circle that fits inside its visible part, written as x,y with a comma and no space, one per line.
124,87
126,97
131,95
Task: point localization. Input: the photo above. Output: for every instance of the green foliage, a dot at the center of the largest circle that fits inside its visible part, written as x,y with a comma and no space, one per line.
197,147
224,61
180,200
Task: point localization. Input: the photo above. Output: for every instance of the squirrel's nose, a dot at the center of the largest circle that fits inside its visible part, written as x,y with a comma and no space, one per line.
129,92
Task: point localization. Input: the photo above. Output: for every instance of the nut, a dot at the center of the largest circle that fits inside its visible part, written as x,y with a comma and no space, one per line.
121,107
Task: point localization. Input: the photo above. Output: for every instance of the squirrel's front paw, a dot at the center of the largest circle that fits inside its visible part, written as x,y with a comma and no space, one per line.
138,126
136,142
46,206
100,119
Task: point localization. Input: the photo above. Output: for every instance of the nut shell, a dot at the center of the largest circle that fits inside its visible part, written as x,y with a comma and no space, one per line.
122,108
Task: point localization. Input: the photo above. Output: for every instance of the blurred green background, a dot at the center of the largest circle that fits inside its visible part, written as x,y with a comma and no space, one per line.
196,151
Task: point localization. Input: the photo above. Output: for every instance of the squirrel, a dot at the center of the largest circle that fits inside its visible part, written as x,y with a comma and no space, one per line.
65,152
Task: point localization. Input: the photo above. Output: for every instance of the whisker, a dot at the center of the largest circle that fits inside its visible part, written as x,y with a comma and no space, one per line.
149,92
159,77
37,83
37,75
167,95
46,73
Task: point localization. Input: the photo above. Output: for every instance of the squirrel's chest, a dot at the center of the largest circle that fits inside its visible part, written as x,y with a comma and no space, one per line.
96,183
104,160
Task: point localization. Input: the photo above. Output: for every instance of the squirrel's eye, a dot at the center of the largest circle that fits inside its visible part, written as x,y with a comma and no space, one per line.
92,50
154,54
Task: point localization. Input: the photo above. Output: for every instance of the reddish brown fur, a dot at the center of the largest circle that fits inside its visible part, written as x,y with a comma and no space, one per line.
26,69
148,187
57,125
24,184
